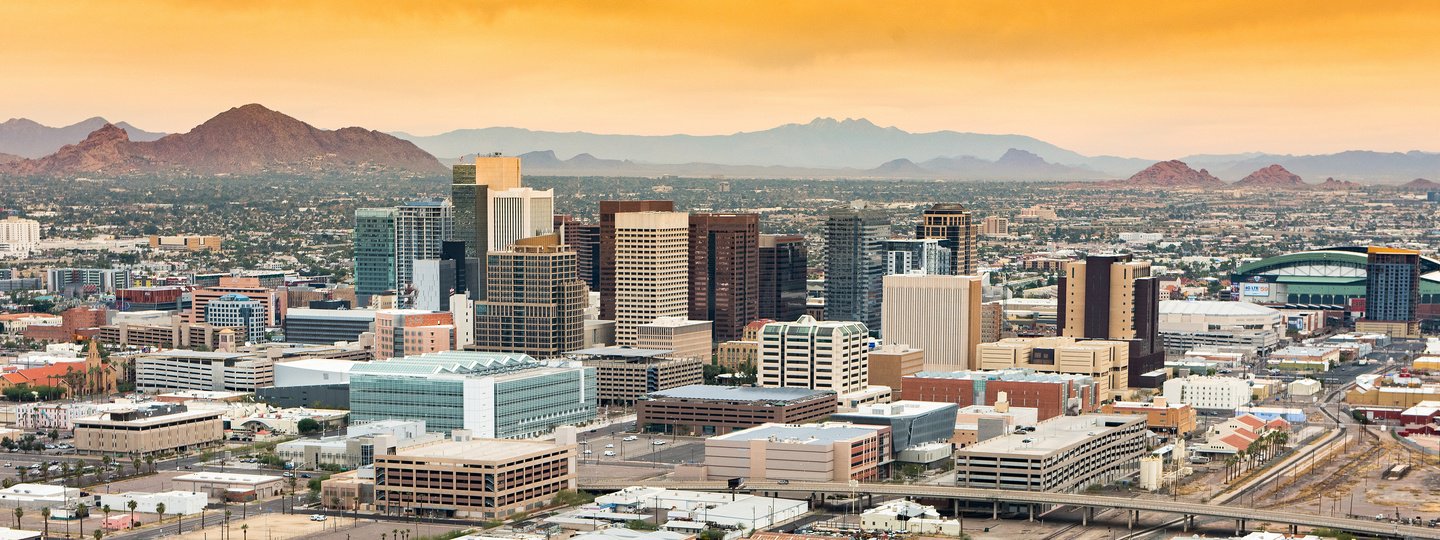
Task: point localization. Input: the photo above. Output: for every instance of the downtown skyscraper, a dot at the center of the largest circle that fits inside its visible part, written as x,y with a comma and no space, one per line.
388,241
955,227
784,267
493,210
651,272
725,272
609,210
855,263
535,303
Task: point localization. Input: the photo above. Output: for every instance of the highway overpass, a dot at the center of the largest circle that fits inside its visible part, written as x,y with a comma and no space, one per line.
1188,509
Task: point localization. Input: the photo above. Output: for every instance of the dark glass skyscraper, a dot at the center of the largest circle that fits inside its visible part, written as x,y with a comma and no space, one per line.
784,264
1392,291
374,252
855,263
584,238
725,272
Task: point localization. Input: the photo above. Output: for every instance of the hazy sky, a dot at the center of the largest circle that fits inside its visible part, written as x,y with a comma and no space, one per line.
1145,78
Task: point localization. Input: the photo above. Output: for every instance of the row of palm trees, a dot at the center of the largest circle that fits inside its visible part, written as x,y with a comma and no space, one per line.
1259,451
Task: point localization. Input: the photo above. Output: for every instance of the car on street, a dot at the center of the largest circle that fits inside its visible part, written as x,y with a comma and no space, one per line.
288,474
658,443
609,454
609,446
317,517
588,452
630,438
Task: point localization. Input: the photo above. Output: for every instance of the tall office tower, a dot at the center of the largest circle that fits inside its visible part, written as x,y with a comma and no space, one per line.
1114,297
725,271
454,251
608,211
585,239
917,256
952,223
855,263
651,272
520,212
420,227
940,314
434,283
535,302
470,193
784,264
820,355
374,253
1392,292
240,312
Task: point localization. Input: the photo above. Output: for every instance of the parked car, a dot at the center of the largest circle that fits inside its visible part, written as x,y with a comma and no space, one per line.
317,517
609,453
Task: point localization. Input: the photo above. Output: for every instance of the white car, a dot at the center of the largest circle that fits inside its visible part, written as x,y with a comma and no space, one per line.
658,443
609,446
609,454
587,452
317,517
630,438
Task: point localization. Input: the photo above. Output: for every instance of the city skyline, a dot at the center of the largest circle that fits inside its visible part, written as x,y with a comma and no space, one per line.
1132,80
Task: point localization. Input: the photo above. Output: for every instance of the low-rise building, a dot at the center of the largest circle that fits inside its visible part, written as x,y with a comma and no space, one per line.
326,326
37,496
912,424
977,423
892,362
359,445
217,485
828,452
623,374
904,516
1053,394
1160,414
684,337
1062,455
1208,393
739,511
1188,324
713,410
1108,362
474,478
148,430
1305,359
177,503
165,371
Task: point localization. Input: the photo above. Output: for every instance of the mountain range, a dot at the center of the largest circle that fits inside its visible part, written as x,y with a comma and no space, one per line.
253,139
245,140
27,138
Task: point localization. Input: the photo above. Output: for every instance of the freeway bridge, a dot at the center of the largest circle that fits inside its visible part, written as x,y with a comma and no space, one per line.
1134,506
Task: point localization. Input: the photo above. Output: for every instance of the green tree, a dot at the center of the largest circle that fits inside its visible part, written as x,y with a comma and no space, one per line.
308,426
132,505
19,513
160,510
45,515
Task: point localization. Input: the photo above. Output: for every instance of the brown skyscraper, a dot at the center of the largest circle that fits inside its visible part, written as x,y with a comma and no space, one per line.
608,209
725,271
784,266
1114,297
955,227
536,303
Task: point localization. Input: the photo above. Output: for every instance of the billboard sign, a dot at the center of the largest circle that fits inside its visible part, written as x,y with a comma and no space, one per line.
1255,289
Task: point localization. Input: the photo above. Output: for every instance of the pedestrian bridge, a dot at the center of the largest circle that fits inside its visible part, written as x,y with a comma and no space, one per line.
1189,510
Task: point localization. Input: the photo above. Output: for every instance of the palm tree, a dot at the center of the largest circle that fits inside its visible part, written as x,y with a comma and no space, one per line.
105,510
160,509
19,513
150,462
131,505
23,473
45,515
99,533
227,522
243,531
82,512
64,471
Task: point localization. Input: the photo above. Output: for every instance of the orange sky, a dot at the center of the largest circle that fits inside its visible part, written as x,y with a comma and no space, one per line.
1145,78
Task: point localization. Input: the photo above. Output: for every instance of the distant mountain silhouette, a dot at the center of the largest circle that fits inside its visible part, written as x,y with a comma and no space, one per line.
30,139
1420,183
1013,165
242,141
823,143
7,158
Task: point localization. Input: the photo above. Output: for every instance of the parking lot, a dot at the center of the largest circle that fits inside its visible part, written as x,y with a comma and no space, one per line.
642,447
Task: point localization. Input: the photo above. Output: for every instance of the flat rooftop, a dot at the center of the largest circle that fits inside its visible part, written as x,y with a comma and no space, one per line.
1053,435
706,392
104,419
480,449
344,314
204,355
900,409
227,478
622,352
821,434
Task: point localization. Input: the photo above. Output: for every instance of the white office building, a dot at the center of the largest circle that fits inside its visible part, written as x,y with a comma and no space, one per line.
520,212
820,355
182,503
246,316
420,227
18,236
1213,393
937,313
652,269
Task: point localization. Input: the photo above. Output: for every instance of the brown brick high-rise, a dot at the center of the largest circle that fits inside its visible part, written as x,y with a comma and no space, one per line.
725,272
